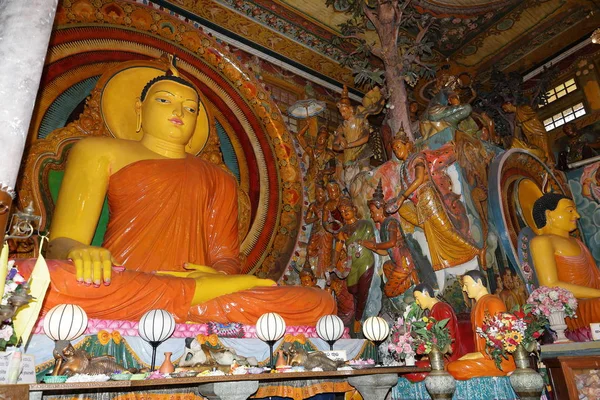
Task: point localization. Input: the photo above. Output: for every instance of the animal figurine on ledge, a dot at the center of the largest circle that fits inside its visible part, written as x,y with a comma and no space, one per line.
315,359
71,361
196,354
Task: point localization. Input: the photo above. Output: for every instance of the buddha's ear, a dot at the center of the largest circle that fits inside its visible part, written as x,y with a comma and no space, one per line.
548,218
138,114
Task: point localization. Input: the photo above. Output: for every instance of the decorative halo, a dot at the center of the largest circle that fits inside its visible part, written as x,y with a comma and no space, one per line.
303,109
117,105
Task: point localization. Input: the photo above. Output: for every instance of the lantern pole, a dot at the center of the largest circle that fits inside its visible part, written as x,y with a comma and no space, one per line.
271,343
154,345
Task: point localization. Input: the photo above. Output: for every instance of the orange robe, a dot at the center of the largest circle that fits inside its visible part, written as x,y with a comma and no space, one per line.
467,369
164,213
581,270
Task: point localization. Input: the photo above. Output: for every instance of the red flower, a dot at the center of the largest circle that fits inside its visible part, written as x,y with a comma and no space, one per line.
536,335
421,348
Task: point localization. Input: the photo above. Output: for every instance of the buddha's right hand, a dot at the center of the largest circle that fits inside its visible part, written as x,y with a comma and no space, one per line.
92,264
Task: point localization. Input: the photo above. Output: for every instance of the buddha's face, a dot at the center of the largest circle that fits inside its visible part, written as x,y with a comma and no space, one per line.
564,217
400,149
470,287
377,214
169,112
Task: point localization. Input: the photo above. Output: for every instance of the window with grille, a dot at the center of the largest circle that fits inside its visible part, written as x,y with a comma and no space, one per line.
564,116
561,90
284,99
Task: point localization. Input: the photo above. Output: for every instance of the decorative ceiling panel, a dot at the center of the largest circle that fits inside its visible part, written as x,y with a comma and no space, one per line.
475,34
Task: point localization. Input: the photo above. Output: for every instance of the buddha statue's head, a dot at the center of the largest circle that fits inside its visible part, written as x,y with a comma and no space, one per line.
474,284
555,213
424,296
168,109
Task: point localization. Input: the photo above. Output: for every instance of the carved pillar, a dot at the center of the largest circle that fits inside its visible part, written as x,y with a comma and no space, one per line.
25,28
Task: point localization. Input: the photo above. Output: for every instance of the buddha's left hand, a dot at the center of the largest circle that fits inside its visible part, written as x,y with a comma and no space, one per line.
211,284
191,271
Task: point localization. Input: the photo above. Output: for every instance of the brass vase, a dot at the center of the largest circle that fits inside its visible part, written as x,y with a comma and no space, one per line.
527,383
439,383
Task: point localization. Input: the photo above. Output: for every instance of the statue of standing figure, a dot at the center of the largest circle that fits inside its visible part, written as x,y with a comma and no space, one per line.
352,136
360,262
399,270
532,130
426,201
320,241
321,159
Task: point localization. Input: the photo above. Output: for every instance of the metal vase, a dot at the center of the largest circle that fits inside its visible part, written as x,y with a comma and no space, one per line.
527,383
439,383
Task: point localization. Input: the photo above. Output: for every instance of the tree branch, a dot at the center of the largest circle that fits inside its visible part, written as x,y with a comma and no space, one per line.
377,52
422,32
372,16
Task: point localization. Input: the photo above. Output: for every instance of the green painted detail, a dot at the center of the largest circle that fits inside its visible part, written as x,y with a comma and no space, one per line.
228,152
60,110
506,24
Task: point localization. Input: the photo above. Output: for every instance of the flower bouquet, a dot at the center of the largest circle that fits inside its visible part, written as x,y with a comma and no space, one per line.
548,300
15,296
502,332
401,346
431,334
530,325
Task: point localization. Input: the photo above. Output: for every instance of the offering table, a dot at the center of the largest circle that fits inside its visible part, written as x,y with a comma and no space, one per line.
372,383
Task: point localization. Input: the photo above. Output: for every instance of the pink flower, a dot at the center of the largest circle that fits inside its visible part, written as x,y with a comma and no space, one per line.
6,332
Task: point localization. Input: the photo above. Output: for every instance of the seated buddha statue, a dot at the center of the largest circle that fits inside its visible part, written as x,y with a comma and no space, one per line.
479,363
173,227
564,261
